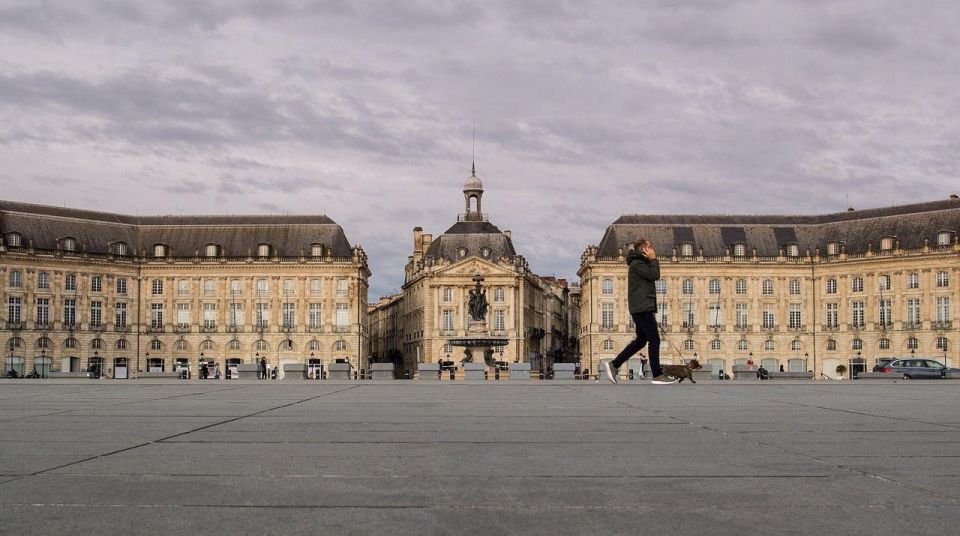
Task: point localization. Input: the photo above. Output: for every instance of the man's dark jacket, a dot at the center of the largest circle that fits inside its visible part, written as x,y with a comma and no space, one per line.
641,289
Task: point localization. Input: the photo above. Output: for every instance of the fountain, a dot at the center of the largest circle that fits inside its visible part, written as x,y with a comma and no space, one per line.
478,339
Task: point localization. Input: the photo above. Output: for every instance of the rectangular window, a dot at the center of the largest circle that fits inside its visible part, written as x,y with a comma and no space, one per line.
122,286
70,312
448,294
662,315
43,281
832,318
796,316
768,318
183,286
831,286
70,282
943,279
913,311
120,315
794,287
316,286
209,287
96,284
156,315
661,285
498,295
943,309
235,287
687,286
885,316
14,309
607,286
289,286
343,314
261,286
289,314
857,313
689,317
209,315
263,312
183,314
236,315
447,320
157,287
342,286
16,279
499,321
913,280
767,286
884,282
856,284
606,315
741,286
316,312
43,311
716,315
96,313
741,310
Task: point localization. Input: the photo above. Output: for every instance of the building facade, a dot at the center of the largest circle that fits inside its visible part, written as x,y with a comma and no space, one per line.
530,311
806,293
118,294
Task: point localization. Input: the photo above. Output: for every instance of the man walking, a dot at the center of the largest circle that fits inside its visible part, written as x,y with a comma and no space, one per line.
643,271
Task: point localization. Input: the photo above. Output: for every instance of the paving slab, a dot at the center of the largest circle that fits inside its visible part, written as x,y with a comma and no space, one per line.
481,458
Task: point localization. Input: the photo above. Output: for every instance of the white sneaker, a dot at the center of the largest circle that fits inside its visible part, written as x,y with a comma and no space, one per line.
663,379
611,372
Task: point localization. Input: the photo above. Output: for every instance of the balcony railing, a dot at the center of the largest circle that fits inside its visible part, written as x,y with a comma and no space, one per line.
208,328
607,328
151,328
742,327
796,327
122,329
943,324
14,325
181,328
911,326
41,326
830,327
314,328
341,329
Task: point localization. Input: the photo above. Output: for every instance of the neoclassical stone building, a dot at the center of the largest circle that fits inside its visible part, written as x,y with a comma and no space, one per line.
801,292
531,311
119,294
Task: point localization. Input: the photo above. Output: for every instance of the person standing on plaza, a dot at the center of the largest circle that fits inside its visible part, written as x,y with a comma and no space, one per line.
263,368
642,273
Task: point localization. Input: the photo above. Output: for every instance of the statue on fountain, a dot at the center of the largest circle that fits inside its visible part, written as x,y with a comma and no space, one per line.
478,304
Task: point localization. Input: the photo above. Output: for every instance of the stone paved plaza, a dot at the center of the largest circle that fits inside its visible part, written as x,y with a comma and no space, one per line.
102,457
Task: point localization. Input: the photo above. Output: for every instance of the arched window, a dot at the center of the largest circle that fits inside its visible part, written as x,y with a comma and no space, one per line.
260,345
15,343
69,244
96,344
831,345
121,344
286,345
316,250
70,343
446,349
340,346
181,345
688,344
796,346
608,344
739,250
768,345
155,344
207,345
14,240
607,286
943,344
211,250
714,286
263,250
686,250
687,286
159,251
912,343
743,346
857,344
313,345
831,286
234,344
715,344
884,343
43,342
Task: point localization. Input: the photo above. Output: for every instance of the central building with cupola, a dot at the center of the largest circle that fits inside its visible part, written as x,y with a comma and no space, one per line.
530,311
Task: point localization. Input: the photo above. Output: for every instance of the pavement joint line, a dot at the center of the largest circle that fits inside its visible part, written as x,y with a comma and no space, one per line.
815,459
457,476
175,435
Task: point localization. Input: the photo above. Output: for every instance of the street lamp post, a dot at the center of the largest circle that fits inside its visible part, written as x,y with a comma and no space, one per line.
43,362
859,361
806,357
96,359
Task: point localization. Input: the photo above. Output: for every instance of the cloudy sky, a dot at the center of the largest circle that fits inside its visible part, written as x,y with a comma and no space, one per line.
582,110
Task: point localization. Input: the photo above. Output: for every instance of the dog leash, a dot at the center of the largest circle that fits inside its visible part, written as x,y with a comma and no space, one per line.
679,353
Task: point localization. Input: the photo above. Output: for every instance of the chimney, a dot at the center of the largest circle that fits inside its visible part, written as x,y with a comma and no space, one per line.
427,240
417,240
507,234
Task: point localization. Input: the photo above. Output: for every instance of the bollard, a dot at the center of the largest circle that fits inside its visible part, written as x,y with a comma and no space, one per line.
439,374
485,374
496,374
451,374
630,374
406,374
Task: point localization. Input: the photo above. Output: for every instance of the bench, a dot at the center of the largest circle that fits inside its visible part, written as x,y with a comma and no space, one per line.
381,371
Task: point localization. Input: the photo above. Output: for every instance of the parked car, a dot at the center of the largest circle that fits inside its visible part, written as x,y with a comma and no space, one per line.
910,369
882,362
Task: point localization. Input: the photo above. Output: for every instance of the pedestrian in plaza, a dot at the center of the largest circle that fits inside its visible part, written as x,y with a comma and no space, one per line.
642,273
263,368
216,371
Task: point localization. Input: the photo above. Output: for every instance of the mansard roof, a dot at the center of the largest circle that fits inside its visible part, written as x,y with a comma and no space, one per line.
473,237
237,236
857,230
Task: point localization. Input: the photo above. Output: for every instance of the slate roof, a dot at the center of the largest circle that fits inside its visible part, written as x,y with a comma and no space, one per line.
185,235
911,224
472,236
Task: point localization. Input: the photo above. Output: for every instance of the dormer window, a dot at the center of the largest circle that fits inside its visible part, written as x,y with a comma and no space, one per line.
886,243
14,240
263,250
943,238
160,251
316,250
793,250
463,252
69,244
686,250
121,249
485,252
211,250
833,248
739,250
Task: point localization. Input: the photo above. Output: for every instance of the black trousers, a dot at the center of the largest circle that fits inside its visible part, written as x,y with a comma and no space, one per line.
647,333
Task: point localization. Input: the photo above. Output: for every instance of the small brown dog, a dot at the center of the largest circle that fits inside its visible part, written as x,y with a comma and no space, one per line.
683,371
